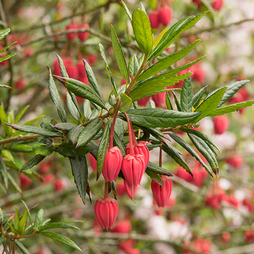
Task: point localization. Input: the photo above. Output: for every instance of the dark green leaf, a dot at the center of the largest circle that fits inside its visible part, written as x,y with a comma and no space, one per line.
198,96
133,65
210,103
72,108
177,102
125,103
142,30
33,129
60,238
89,132
231,90
64,126
82,90
4,172
231,108
118,52
166,62
44,150
87,109
160,117
186,95
80,173
74,133
21,247
103,148
168,102
157,169
56,98
61,224
34,161
69,150
154,177
39,218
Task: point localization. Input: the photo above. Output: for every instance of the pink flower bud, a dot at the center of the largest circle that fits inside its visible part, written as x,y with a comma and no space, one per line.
112,164
106,210
25,181
154,19
217,4
70,36
220,124
133,168
83,35
165,15
122,227
235,161
162,193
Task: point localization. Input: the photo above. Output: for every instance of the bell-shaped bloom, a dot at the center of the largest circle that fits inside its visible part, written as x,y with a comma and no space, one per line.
106,210
133,168
122,227
162,193
112,164
220,124
131,190
165,15
83,35
154,19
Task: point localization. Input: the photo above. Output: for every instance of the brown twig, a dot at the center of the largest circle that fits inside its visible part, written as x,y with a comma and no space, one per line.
19,138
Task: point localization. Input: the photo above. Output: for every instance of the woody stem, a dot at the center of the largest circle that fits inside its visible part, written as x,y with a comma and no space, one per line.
106,190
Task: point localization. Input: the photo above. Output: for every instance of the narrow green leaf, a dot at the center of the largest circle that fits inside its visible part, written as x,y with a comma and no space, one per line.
154,177
168,102
3,118
64,126
210,103
8,56
177,102
74,133
231,90
34,120
20,114
4,32
198,96
89,132
82,90
118,52
174,154
108,69
142,30
80,172
56,97
44,150
21,148
28,211
87,109
70,150
22,223
57,225
160,117
13,230
127,10
7,154
4,172
60,238
125,103
5,86
149,86
14,183
205,150
103,147
118,142
188,148
72,108
39,217
157,169
231,108
16,219
186,95
166,62
22,248
34,161
133,65
91,78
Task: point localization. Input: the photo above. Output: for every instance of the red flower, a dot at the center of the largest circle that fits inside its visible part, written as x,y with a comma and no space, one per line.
220,124
217,4
83,35
162,193
122,227
165,15
106,210
154,19
71,36
235,161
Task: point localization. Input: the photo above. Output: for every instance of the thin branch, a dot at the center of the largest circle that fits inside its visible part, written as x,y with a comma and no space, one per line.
19,138
237,250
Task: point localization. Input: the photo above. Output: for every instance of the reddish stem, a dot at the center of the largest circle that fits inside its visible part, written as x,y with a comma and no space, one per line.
160,156
106,190
130,135
113,125
133,136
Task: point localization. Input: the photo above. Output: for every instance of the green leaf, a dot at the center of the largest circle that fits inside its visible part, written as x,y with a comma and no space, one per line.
22,247
22,223
5,86
20,148
125,103
64,126
8,56
4,32
34,120
16,219
231,90
28,211
186,95
154,177
173,33
87,109
118,142
202,136
133,65
56,98
108,69
13,229
210,103
188,148
34,161
3,118
168,102
74,133
160,117
198,96
166,62
142,30
44,150
82,90
231,108
80,172
61,238
4,172
127,10
89,132
7,154
175,155
118,52
177,102
39,217
20,114
91,78
157,169
14,183
103,148
152,85
70,150
33,129
61,224
72,108
205,150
